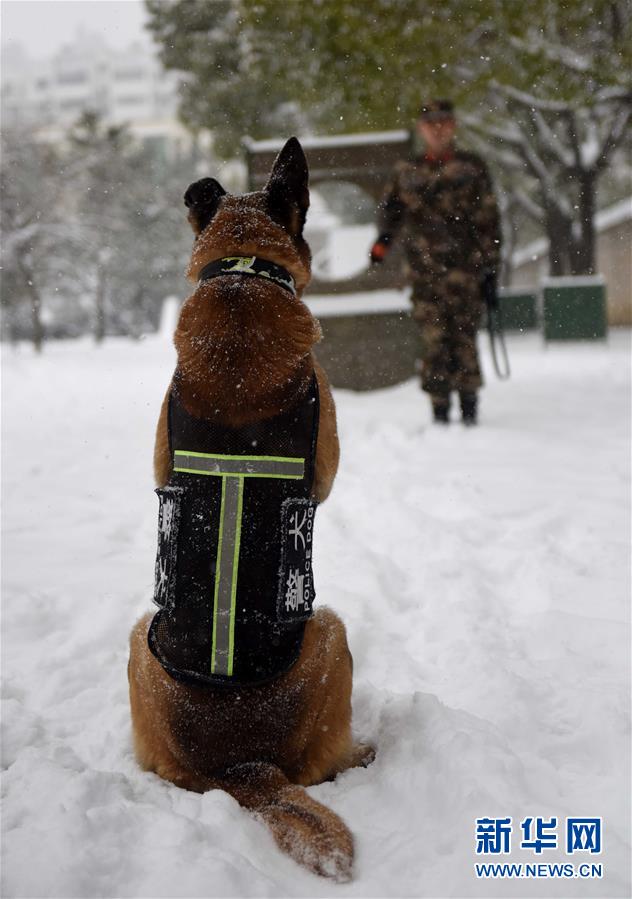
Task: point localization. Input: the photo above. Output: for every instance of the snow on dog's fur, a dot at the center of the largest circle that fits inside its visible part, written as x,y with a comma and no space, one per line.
244,355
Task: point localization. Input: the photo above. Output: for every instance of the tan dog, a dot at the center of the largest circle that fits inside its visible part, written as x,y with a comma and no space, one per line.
244,346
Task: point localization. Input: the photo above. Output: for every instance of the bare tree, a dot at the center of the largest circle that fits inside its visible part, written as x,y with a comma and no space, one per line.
565,150
556,107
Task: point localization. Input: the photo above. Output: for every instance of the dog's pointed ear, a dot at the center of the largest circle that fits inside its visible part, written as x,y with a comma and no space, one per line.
287,188
202,199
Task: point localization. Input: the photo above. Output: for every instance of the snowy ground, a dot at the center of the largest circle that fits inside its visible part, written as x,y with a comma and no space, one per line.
484,580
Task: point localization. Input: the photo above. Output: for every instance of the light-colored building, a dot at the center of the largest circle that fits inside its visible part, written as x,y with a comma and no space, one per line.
123,86
614,260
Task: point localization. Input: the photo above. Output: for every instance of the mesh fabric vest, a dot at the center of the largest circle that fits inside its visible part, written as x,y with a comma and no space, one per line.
234,565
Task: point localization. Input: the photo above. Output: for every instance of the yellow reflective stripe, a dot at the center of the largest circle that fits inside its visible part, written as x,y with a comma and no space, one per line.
217,575
239,458
233,592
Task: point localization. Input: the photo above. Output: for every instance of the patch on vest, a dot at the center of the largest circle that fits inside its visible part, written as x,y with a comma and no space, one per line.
296,581
167,556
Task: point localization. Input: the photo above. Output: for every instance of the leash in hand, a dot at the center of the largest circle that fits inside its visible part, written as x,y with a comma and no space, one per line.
495,327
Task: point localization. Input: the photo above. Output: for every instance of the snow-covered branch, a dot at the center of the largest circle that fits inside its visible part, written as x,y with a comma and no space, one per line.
526,202
553,51
549,140
530,101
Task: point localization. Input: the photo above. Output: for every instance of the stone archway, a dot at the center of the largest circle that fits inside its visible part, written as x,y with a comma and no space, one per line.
364,160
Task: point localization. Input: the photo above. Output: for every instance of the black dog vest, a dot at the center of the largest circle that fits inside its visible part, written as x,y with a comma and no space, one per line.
234,576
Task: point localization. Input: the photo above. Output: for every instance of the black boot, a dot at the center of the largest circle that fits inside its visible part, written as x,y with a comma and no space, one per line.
441,409
469,407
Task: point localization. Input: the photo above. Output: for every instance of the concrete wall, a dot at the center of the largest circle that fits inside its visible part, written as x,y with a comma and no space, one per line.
369,340
366,160
368,351
614,253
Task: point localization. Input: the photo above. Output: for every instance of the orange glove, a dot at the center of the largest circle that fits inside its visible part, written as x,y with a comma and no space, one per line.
380,249
378,252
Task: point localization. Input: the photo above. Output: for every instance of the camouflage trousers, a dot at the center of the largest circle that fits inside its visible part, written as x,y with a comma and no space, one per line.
448,310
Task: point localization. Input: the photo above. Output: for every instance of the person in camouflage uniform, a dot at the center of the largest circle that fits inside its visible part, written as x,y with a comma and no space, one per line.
442,208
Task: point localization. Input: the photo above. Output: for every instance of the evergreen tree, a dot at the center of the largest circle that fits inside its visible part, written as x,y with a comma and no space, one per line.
223,57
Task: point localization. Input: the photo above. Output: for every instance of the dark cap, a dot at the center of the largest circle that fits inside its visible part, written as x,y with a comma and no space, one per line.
433,110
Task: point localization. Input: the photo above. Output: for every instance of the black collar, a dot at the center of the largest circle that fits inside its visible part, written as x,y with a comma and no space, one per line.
249,265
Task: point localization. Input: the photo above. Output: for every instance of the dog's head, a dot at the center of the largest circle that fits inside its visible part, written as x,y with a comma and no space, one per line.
267,223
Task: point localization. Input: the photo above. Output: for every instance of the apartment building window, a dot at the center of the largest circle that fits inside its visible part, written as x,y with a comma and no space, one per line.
130,100
72,77
129,75
70,105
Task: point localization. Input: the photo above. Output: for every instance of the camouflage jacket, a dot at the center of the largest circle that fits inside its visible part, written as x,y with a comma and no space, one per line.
444,212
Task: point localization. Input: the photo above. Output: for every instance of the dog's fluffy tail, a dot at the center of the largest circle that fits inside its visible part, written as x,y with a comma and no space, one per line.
311,833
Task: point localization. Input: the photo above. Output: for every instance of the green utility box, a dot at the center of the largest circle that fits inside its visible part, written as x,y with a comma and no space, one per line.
519,308
574,308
